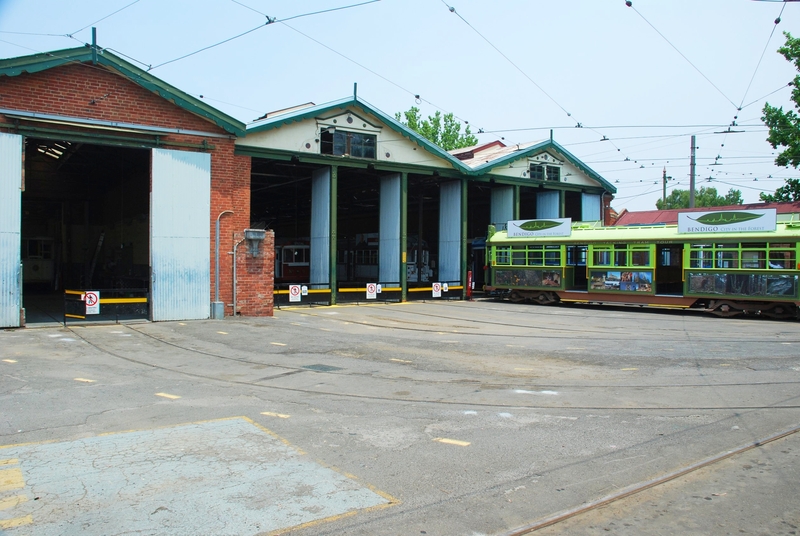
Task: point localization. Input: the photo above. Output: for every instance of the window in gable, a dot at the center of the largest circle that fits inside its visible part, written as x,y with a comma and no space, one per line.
353,144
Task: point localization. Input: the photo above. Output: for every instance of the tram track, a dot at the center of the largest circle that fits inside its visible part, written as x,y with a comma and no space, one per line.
461,382
536,330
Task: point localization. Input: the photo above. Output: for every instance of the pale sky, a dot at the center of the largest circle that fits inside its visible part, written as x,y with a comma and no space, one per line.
644,77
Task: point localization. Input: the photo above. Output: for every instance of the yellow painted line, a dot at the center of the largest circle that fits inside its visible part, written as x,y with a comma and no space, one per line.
278,344
222,332
278,415
10,502
75,316
400,360
10,360
632,368
12,461
312,291
11,479
16,522
452,441
167,395
123,300
85,380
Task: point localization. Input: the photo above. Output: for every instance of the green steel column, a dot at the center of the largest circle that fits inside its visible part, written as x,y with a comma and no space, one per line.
403,236
517,196
334,200
464,192
562,203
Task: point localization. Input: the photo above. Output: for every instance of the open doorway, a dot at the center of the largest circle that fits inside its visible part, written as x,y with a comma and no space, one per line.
85,222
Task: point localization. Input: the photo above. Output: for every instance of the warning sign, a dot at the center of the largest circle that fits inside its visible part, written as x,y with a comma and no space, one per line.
92,299
372,291
437,290
294,293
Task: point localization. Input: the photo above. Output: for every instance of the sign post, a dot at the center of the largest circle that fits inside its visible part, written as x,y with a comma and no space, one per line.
372,291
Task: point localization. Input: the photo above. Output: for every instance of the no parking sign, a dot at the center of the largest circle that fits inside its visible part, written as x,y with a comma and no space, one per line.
294,293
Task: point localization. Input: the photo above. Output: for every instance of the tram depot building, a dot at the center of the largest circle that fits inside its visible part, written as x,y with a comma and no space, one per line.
114,181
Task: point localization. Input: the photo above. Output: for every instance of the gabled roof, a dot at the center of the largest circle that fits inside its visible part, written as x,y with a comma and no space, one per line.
496,152
49,60
670,216
295,115
485,161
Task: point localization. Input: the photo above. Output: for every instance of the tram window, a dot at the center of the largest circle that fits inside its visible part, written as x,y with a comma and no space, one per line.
552,256
781,260
518,257
576,255
620,255
701,256
753,259
535,256
502,255
640,258
729,259
602,258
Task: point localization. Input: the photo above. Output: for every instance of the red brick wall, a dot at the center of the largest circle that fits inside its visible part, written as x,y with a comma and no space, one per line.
93,92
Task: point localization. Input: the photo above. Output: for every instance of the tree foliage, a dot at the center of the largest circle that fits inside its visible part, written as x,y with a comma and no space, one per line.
784,128
785,194
704,197
443,130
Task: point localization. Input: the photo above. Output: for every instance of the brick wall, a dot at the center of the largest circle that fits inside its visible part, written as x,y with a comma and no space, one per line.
94,92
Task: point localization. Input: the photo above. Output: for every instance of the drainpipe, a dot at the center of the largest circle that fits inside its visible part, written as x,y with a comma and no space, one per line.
235,246
217,307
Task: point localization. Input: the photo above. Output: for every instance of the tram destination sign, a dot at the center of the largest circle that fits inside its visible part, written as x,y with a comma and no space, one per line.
553,227
727,221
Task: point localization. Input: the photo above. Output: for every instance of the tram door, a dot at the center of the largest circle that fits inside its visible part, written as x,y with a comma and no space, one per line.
669,269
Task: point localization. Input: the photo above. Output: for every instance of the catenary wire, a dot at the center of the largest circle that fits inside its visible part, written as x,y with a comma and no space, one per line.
104,18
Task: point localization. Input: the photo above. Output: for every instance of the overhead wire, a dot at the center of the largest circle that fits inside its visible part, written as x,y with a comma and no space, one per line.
104,18
270,20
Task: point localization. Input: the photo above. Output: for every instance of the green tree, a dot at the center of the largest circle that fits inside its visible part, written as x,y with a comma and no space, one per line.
443,130
785,194
784,128
704,197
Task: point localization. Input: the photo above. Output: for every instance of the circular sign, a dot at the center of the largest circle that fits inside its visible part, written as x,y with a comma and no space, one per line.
91,299
372,288
437,287
294,290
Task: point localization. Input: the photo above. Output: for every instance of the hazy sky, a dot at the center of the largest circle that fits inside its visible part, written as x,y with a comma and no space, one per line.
644,77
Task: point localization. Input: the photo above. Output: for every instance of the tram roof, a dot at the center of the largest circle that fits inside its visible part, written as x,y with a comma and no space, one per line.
583,233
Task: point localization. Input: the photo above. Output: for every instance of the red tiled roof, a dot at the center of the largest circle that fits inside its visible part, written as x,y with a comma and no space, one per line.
650,217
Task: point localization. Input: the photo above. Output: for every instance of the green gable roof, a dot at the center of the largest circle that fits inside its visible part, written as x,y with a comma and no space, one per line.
48,60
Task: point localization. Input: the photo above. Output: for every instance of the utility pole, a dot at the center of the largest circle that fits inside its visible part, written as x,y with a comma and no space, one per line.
692,166
664,188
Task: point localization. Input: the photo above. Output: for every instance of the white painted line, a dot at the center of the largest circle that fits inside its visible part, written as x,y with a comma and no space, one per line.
400,360
84,380
452,441
277,344
10,360
222,332
630,368
167,395
524,392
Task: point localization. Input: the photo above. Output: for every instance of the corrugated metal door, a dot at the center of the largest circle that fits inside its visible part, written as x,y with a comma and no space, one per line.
450,232
180,235
389,246
10,227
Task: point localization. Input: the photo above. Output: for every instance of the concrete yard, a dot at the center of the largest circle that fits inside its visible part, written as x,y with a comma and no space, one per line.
438,418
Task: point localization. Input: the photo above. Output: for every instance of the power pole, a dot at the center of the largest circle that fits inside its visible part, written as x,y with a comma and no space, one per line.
664,188
692,166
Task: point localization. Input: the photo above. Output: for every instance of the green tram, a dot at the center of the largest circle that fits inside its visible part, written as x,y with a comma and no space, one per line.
726,273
